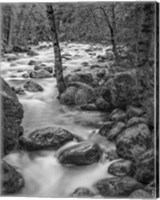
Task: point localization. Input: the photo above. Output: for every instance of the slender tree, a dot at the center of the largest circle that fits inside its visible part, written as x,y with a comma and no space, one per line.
57,53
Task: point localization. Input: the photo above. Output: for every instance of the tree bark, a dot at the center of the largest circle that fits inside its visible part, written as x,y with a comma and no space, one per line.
57,53
146,35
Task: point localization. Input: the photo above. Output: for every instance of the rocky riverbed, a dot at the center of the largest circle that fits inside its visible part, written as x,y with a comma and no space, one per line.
96,141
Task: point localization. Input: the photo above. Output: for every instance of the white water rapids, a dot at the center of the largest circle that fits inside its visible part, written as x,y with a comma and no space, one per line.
44,176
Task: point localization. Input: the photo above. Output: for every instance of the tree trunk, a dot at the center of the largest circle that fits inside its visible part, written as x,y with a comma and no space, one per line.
146,35
57,54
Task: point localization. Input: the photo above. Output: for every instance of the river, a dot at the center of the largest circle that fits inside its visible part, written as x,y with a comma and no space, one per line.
44,176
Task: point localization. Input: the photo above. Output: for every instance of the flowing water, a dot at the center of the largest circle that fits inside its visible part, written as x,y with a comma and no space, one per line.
44,176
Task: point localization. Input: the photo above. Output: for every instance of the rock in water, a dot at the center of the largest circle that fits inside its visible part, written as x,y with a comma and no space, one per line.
81,154
133,141
47,138
117,186
145,169
42,73
82,192
121,168
32,86
12,117
12,181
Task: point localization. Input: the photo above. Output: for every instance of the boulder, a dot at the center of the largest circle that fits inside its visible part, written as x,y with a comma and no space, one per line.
12,181
46,138
105,128
121,168
32,53
117,186
19,49
68,96
79,77
136,120
12,117
117,115
133,111
140,194
32,62
115,130
122,89
19,91
78,94
82,192
32,86
133,141
80,155
102,105
39,66
112,155
12,57
42,73
145,167
25,75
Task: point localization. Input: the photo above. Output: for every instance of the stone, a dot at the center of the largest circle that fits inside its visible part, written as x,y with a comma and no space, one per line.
101,73
68,96
136,120
39,66
20,91
133,141
19,49
102,105
118,115
117,186
144,167
105,128
122,90
85,64
81,154
32,62
46,138
25,75
82,192
121,168
79,77
12,181
32,86
115,130
32,53
133,111
112,155
140,194
42,73
90,106
11,119
12,57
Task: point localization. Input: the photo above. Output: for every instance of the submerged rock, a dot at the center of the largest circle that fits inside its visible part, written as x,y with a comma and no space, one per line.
46,138
80,155
121,168
32,86
145,167
82,192
42,73
133,141
12,181
117,186
12,117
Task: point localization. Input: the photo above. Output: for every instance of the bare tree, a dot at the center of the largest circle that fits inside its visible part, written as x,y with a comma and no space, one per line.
57,53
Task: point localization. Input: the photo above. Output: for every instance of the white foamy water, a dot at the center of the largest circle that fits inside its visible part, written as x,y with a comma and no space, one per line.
44,176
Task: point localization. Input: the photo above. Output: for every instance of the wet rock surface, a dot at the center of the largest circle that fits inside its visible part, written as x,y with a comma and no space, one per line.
12,117
47,138
42,73
121,168
80,155
82,192
32,86
133,141
12,181
117,186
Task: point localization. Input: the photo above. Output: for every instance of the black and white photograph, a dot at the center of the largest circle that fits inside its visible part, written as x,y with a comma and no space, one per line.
79,99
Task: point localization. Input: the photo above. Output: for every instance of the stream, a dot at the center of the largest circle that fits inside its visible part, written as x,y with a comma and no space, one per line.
44,176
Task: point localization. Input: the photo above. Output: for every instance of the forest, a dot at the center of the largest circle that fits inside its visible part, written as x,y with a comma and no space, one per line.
79,84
